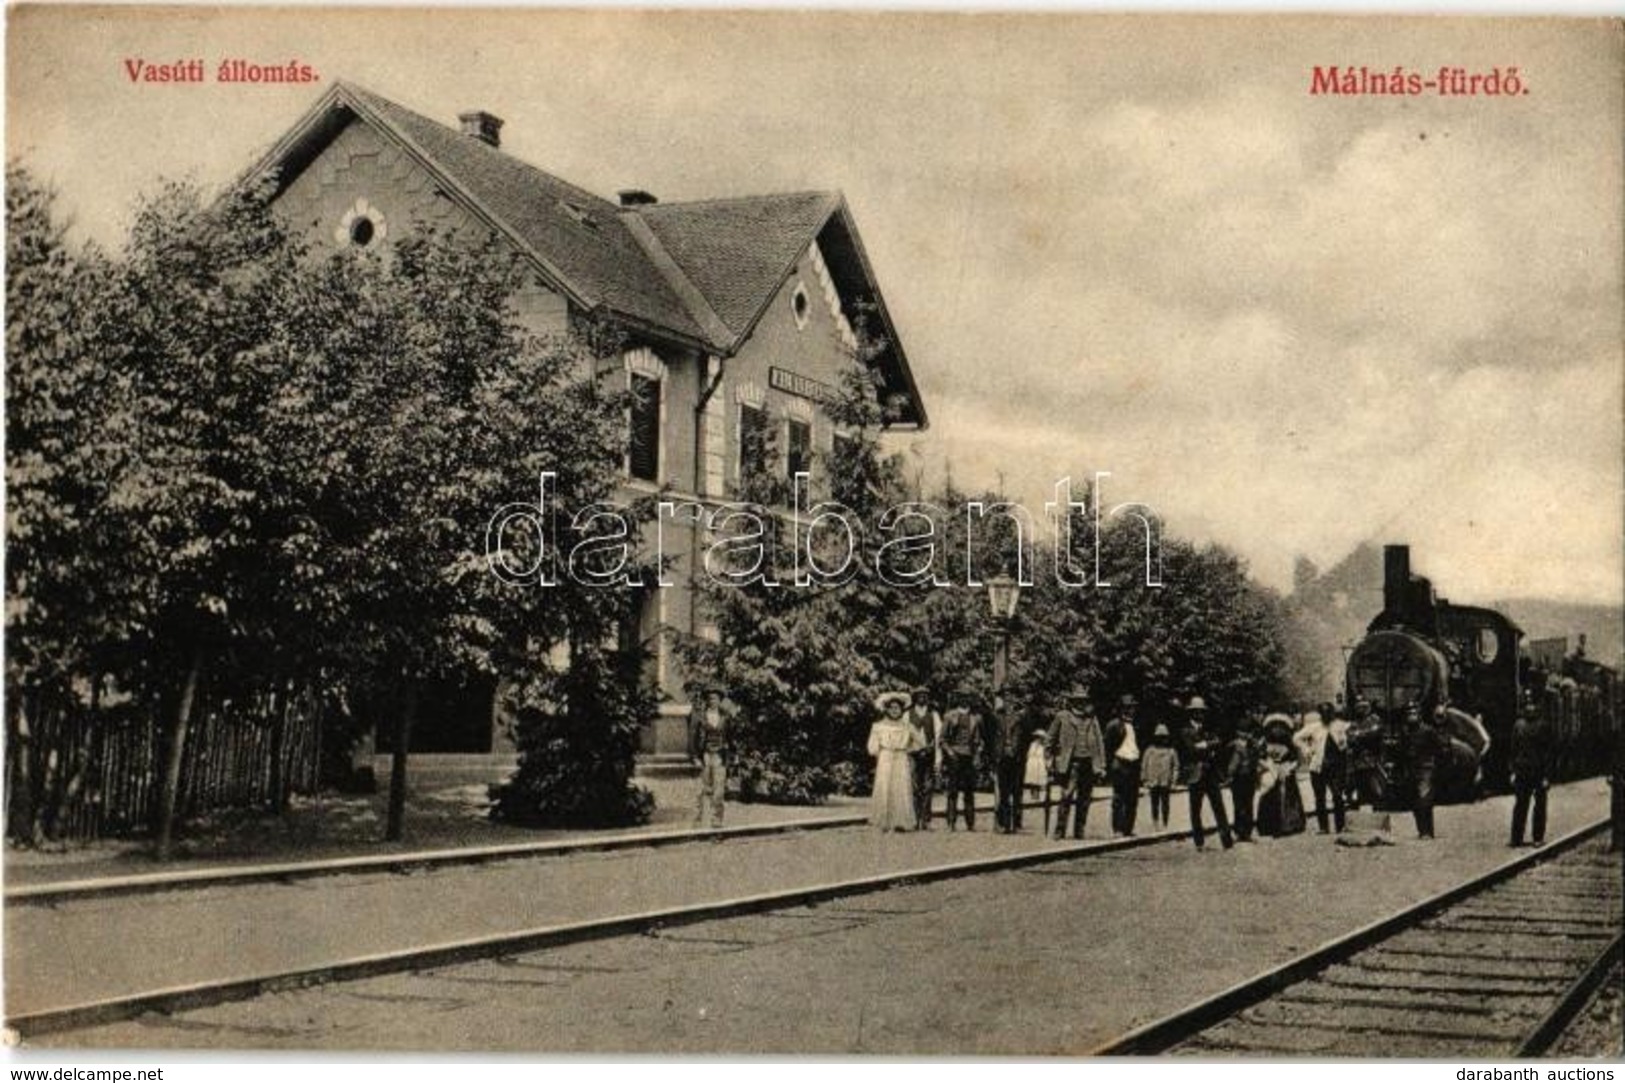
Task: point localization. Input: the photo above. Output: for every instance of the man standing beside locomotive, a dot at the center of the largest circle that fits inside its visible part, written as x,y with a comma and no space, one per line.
1123,752
1201,748
1427,748
1529,755
1076,751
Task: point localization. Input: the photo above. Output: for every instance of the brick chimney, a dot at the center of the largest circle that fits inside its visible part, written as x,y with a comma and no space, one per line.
636,197
483,126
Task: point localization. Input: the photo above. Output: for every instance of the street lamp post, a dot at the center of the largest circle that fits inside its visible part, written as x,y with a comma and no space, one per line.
1002,594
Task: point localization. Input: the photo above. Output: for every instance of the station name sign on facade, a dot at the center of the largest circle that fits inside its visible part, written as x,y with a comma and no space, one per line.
796,384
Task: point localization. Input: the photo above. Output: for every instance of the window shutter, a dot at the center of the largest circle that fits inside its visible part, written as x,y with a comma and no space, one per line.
752,440
644,454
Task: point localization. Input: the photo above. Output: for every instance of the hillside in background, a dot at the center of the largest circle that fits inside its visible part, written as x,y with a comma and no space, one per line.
1542,618
1330,610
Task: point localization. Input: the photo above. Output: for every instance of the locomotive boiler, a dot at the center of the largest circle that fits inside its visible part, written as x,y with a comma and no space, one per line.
1419,654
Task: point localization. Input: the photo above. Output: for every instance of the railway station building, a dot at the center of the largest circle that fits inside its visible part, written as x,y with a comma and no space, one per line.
737,312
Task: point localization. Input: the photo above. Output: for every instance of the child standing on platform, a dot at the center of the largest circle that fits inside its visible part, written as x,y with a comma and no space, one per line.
1160,768
1035,774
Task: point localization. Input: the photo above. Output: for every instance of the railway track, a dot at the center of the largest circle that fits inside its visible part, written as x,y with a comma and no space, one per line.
1494,967
659,923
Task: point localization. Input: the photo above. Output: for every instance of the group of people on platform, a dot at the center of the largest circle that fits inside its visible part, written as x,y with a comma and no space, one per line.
918,751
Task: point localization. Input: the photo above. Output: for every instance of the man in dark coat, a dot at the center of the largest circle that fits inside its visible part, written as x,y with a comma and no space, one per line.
928,724
1076,753
1241,768
1123,766
1427,748
1201,753
961,746
1009,744
1529,755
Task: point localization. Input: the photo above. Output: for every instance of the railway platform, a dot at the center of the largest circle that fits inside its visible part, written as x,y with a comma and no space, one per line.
1051,958
102,940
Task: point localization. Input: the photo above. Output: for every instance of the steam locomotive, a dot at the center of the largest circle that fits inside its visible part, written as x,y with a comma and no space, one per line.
1422,653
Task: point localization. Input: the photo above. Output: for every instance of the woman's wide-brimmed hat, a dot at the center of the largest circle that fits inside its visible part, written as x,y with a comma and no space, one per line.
885,699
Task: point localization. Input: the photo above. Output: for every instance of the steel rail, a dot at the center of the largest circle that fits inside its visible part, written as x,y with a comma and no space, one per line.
1163,1034
1545,1034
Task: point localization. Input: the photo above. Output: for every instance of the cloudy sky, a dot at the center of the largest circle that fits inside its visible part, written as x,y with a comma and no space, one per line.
1138,245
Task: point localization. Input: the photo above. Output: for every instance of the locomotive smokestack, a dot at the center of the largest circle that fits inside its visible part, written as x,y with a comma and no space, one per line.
1396,577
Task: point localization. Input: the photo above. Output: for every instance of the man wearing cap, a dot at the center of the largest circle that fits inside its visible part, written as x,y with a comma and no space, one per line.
1123,758
1529,756
1201,748
1076,751
1426,741
928,724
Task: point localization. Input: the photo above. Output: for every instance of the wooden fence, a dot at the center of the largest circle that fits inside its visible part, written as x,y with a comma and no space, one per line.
76,772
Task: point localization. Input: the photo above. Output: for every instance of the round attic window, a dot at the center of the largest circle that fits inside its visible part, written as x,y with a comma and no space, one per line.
800,305
361,225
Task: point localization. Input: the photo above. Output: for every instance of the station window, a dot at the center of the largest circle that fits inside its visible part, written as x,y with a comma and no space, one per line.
798,449
644,453
753,441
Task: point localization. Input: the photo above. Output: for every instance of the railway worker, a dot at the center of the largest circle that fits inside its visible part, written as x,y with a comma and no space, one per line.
1076,752
1241,768
1123,754
961,747
1367,778
928,725
893,742
1325,757
1201,751
1009,747
1427,748
709,745
1529,755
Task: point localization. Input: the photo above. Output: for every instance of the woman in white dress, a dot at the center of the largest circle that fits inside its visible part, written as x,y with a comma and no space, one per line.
1036,775
891,742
